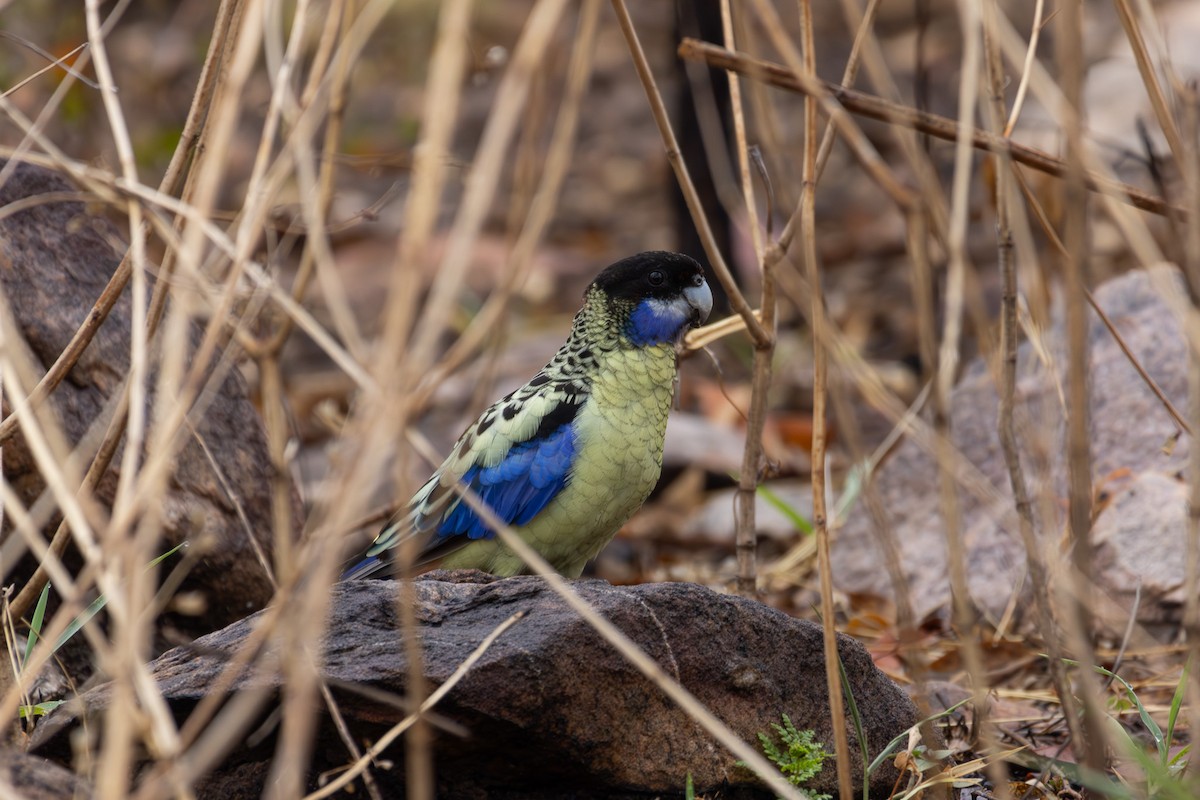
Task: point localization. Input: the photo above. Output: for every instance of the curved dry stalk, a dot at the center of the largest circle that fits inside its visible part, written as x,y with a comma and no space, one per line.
1149,76
1035,34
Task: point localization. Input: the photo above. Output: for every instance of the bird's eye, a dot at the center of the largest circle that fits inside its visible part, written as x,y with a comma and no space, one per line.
697,279
656,278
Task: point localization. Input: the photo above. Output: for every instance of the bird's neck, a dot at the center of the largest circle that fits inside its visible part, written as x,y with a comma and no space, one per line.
596,336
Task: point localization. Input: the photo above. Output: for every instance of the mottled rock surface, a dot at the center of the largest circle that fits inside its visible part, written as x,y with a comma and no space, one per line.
550,709
1137,454
55,259
32,777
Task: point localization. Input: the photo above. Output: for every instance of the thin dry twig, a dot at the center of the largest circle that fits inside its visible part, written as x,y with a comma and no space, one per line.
360,766
745,532
1149,76
1056,242
736,300
1035,35
1088,747
1191,620
873,107
818,324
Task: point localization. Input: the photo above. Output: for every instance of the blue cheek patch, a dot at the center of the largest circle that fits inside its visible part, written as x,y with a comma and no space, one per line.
517,488
654,322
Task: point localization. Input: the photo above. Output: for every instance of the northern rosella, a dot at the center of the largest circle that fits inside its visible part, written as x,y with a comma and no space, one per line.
571,455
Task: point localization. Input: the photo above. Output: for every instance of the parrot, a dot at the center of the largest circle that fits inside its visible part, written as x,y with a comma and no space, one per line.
566,459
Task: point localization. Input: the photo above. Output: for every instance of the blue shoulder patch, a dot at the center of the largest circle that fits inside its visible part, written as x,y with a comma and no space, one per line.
517,488
654,322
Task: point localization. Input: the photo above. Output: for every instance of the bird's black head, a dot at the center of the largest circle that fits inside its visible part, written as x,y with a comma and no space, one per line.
660,295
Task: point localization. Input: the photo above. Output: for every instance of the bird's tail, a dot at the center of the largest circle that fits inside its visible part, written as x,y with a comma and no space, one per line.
364,569
377,556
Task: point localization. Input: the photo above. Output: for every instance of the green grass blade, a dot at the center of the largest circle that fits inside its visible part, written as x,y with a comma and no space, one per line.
167,554
35,626
39,710
856,718
76,624
783,507
99,603
1160,742
1177,701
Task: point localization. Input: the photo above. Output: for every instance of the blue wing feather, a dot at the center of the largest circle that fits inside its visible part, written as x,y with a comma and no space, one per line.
529,476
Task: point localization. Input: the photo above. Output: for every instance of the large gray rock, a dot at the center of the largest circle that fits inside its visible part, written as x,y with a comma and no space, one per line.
1139,534
55,259
551,709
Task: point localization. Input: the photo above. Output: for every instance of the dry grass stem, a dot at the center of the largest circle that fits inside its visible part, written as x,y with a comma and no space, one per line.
1087,740
873,107
1035,35
736,300
541,209
482,182
360,766
745,531
817,321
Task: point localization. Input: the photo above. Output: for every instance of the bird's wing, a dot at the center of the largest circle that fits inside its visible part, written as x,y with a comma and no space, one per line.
516,458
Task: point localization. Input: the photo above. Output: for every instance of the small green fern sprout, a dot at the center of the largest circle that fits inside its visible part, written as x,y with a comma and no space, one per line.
798,755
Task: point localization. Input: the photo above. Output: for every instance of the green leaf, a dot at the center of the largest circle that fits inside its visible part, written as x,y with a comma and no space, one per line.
98,604
35,626
856,718
1177,701
781,505
39,710
1160,741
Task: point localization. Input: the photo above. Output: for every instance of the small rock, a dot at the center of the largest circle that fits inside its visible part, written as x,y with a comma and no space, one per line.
1129,428
1144,521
